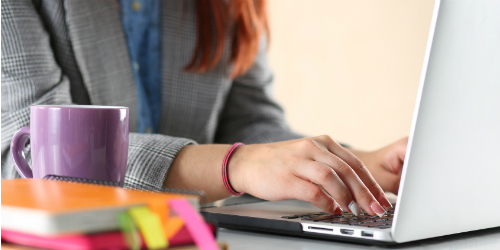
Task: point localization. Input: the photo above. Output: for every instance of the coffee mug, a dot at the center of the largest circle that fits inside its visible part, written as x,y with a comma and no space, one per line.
84,141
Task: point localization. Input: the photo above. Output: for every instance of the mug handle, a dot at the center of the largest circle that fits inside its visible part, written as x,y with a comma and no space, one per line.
17,152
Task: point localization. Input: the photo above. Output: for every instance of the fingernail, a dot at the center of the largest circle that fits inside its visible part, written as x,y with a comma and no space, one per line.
355,209
338,210
384,201
379,210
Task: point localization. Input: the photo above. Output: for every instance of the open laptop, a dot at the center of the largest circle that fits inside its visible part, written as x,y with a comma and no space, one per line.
451,177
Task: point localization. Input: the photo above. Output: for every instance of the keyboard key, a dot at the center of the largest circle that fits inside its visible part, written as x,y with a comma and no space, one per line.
367,221
348,215
357,219
290,217
314,214
364,222
322,218
367,216
379,225
303,215
338,222
355,223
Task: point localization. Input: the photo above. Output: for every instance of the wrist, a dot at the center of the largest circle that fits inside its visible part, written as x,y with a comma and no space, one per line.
236,169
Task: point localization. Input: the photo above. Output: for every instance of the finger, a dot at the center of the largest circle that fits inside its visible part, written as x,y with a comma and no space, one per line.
338,209
306,191
324,175
362,194
358,167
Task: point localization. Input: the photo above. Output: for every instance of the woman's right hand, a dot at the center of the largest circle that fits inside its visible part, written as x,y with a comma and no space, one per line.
296,169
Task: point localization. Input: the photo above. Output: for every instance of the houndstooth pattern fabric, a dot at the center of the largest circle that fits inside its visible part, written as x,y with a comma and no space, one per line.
74,52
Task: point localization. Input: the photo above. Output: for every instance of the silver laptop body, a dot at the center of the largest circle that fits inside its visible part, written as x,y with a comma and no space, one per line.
451,177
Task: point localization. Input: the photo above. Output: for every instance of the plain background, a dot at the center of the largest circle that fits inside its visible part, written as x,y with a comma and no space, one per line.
350,68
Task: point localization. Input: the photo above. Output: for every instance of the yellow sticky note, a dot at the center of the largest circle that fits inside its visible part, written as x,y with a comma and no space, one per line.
150,226
173,225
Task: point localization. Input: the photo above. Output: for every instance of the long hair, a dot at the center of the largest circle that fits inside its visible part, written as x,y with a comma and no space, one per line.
247,18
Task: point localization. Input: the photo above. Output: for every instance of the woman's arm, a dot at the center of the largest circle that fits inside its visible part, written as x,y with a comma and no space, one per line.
200,167
316,169
292,169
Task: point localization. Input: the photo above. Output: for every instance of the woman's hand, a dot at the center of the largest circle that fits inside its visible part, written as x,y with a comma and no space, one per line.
315,169
385,164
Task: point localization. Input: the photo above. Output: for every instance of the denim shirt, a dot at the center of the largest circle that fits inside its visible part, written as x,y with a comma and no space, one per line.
141,24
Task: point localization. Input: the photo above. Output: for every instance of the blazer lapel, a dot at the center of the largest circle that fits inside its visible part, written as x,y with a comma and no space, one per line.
101,53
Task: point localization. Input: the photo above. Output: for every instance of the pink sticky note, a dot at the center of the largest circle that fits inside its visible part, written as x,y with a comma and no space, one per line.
199,230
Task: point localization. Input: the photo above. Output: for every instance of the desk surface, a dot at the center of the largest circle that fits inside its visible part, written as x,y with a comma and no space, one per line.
477,240
238,240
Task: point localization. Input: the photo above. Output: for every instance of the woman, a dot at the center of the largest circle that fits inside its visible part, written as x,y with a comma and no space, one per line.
195,74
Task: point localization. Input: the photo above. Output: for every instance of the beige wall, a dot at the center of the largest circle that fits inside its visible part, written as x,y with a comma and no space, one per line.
349,68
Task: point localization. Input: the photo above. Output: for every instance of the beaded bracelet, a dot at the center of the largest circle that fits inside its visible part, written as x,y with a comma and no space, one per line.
225,163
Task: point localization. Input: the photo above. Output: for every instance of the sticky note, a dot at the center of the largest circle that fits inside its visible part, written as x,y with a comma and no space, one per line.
150,226
129,231
199,230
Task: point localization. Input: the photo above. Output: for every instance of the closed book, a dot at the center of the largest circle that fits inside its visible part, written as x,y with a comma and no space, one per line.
52,207
7,246
104,240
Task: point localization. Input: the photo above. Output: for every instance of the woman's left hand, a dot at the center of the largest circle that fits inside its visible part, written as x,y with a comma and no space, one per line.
385,164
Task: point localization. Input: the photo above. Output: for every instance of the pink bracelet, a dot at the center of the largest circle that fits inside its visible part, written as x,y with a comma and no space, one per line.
225,163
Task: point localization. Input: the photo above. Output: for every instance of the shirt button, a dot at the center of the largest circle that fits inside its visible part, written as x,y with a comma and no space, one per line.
136,5
136,66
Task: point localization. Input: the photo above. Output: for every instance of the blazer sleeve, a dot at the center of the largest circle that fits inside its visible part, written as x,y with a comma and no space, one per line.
31,75
251,115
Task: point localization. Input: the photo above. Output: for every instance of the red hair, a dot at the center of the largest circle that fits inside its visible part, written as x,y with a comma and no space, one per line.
247,18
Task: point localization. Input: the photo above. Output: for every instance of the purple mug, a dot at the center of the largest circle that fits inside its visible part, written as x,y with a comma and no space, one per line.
83,141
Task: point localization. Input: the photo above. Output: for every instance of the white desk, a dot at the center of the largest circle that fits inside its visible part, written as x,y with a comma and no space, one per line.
242,240
488,239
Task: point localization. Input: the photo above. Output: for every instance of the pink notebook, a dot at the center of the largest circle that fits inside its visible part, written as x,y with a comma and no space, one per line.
107,240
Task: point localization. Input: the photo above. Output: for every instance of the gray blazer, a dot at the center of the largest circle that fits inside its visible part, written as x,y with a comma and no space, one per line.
74,51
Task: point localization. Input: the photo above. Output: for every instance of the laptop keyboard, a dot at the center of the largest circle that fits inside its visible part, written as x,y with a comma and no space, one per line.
347,218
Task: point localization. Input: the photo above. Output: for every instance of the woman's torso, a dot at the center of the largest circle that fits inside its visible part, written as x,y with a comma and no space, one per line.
90,47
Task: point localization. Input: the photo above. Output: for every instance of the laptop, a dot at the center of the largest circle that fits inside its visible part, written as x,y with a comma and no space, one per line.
451,176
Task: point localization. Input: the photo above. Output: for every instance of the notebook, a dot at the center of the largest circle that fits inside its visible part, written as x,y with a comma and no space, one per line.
7,246
104,240
54,207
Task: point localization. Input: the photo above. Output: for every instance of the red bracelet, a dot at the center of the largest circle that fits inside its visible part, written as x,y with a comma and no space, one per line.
225,163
